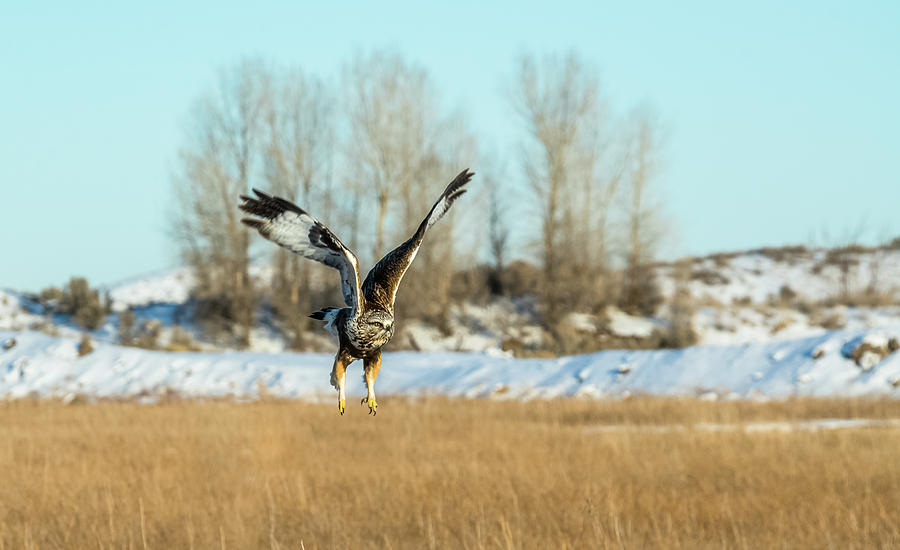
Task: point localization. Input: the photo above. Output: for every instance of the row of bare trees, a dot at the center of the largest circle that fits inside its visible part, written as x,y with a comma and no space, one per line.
368,156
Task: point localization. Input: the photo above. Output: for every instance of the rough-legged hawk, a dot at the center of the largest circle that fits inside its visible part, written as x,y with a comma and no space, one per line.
367,323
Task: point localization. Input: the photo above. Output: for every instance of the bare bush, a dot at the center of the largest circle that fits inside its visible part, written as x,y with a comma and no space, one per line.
828,320
147,335
709,277
85,346
51,297
787,295
520,278
784,254
181,340
78,300
474,285
680,333
127,320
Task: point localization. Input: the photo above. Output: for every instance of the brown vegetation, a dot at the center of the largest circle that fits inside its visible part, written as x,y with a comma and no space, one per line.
865,354
828,320
444,474
181,340
783,254
78,300
709,277
85,345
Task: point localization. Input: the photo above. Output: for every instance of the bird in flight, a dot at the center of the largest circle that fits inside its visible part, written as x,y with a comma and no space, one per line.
367,323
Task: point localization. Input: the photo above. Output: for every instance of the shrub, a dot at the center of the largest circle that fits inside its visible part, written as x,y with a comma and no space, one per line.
786,294
475,285
51,296
215,314
831,321
127,319
148,334
640,291
680,332
90,316
709,277
783,253
181,340
85,346
79,300
520,278
782,324
722,259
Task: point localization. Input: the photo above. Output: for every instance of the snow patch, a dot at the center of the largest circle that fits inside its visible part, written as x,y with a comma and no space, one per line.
623,324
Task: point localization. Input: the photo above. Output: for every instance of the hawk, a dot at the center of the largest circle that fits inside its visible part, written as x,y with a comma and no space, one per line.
367,323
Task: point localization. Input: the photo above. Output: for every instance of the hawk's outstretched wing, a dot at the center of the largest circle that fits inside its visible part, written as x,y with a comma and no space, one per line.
286,224
382,281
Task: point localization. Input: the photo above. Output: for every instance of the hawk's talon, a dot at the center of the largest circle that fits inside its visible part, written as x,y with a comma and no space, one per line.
373,408
363,400
341,407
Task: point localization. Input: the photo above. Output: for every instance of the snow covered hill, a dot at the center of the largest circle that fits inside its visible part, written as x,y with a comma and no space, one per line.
761,296
161,287
838,363
814,275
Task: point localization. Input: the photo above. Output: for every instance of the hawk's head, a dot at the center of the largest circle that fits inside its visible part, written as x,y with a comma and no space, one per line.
379,324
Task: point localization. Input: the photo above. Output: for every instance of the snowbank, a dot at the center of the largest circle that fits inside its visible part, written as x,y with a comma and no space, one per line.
40,365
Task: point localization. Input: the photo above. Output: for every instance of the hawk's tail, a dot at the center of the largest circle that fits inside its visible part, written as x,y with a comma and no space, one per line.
322,314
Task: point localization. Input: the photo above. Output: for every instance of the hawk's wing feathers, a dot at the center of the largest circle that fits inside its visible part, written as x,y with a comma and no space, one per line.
382,281
286,224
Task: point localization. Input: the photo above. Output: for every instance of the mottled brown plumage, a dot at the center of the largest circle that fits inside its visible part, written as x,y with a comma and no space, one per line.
367,323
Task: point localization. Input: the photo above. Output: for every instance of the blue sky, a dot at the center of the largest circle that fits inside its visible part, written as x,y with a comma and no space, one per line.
782,118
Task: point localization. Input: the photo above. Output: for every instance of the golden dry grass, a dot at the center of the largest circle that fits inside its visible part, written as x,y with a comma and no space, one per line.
443,474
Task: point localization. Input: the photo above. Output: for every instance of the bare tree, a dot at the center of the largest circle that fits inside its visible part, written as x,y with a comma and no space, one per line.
498,233
402,148
391,115
565,115
217,163
298,167
640,293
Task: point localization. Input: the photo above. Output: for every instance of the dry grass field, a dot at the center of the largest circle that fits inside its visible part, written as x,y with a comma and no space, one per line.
444,474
